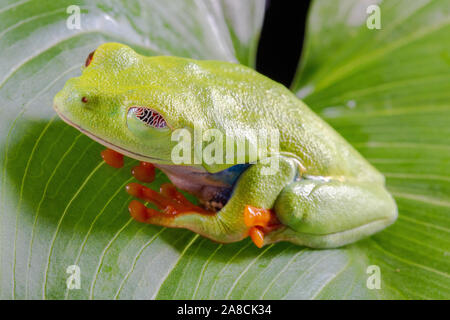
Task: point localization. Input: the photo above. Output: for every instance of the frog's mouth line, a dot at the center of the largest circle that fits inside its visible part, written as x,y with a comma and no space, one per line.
215,199
128,153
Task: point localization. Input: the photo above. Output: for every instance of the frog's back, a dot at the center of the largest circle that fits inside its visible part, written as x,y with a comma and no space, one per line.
235,96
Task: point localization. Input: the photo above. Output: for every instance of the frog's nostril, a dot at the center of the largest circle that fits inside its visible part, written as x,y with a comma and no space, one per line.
84,100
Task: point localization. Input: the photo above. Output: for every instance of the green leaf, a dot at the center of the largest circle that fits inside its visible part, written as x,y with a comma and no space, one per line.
386,91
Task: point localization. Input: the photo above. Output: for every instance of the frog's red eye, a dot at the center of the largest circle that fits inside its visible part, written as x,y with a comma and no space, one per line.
149,117
89,59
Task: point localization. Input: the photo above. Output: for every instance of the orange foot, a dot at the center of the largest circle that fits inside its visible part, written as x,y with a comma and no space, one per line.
169,201
260,221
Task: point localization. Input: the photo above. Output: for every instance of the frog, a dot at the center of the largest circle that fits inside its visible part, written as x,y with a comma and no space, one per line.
322,194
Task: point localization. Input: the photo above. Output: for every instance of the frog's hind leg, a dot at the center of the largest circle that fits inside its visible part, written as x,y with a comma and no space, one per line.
326,214
255,188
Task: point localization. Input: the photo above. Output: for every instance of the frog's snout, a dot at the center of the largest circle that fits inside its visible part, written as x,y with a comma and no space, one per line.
71,99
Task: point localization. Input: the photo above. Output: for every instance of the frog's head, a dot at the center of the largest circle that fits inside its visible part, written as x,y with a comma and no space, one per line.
134,104
120,101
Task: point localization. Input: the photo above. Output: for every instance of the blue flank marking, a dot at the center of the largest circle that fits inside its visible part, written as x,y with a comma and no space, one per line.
230,175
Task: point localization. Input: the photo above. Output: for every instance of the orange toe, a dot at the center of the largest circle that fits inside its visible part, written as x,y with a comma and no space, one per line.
138,211
257,236
112,158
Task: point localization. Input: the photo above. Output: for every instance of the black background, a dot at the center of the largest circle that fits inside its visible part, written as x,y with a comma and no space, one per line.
281,39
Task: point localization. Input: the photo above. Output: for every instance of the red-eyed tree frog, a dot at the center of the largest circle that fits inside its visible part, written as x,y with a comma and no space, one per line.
323,193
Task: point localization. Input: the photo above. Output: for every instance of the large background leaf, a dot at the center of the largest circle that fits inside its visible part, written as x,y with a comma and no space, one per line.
386,91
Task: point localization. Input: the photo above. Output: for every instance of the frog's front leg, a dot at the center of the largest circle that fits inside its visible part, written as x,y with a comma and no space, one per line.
330,213
254,188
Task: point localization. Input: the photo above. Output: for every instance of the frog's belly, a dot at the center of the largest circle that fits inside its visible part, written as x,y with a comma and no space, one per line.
212,189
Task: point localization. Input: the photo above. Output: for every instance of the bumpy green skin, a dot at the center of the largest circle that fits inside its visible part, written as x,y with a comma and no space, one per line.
339,197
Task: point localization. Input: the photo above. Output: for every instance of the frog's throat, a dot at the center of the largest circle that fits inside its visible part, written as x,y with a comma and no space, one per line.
109,145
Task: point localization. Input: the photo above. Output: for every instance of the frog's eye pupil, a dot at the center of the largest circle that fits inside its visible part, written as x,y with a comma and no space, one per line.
149,117
89,59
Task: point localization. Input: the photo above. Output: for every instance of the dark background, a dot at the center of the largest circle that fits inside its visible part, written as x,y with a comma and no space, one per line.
281,39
